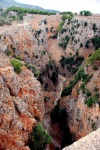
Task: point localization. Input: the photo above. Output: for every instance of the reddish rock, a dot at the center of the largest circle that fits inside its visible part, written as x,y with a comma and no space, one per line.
21,101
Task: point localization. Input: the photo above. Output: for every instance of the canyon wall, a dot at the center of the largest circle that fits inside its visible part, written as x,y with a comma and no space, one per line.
21,103
22,97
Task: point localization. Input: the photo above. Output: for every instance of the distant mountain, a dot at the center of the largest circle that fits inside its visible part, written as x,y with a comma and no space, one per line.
8,3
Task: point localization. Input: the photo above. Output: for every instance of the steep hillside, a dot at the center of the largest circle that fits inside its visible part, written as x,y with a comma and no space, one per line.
83,102
57,50
21,103
8,3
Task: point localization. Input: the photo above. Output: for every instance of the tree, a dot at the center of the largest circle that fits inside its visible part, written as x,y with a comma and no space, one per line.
85,13
81,13
39,138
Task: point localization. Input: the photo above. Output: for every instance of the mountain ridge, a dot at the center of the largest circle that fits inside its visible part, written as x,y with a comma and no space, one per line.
8,3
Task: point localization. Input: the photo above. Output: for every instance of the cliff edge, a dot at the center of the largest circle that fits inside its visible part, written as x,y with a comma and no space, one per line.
91,141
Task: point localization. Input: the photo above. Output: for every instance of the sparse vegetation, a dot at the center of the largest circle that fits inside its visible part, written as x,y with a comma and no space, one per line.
93,99
94,57
64,42
4,20
8,52
18,57
33,69
79,75
72,63
66,15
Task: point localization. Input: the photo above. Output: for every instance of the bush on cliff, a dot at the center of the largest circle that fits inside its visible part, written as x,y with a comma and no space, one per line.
90,101
39,138
96,42
33,69
17,65
94,57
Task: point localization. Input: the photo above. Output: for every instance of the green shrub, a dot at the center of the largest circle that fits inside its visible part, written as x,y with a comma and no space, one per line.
45,22
94,27
95,67
90,101
64,17
82,86
96,89
78,25
67,91
85,23
87,92
46,29
64,42
60,26
33,69
79,75
62,31
18,57
85,13
81,45
96,96
94,57
8,52
87,44
71,63
93,126
39,138
96,42
17,65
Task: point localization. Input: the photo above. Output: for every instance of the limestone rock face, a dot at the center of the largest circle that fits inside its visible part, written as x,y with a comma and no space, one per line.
83,119
21,101
91,141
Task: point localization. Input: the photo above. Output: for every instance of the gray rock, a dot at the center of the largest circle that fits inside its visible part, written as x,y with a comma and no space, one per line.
90,142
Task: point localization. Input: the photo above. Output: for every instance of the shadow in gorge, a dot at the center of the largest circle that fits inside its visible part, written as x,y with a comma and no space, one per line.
59,116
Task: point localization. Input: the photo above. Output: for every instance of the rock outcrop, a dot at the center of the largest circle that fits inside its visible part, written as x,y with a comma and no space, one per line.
82,118
91,141
21,103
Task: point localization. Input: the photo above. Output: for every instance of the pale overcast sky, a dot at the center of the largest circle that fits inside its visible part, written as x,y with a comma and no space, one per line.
66,5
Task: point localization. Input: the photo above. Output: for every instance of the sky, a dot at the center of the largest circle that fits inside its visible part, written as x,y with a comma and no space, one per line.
66,5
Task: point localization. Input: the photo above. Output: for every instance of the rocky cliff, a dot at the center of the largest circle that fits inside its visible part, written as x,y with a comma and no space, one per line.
21,103
83,104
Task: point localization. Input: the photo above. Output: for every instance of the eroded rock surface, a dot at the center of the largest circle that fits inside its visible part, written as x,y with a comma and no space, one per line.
21,101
